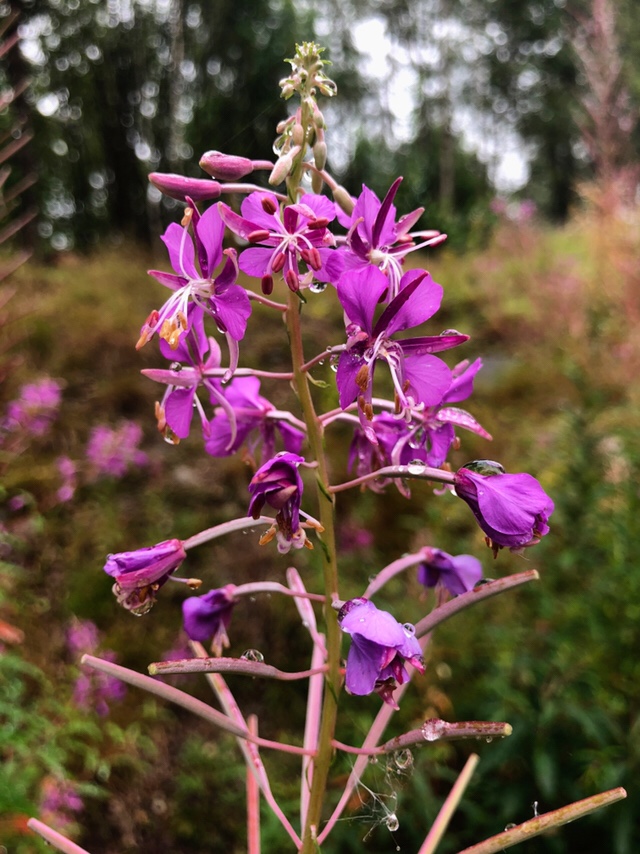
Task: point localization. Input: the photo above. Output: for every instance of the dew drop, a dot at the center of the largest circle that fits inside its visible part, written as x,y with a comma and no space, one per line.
409,628
392,822
432,729
321,362
318,287
176,367
373,760
489,739
403,759
415,467
510,826
334,365
372,578
252,655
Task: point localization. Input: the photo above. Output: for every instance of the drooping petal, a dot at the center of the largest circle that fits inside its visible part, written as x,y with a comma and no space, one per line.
178,410
349,365
233,307
364,662
462,385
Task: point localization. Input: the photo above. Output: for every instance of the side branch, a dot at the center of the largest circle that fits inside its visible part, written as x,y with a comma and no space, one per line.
541,823
229,665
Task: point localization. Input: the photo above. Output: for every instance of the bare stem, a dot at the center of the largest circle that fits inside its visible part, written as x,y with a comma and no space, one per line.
253,799
415,472
440,825
541,823
54,838
229,665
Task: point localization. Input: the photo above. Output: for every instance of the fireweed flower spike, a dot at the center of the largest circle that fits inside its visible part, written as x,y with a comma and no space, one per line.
458,574
297,233
207,617
140,574
220,297
278,484
512,509
380,646
419,378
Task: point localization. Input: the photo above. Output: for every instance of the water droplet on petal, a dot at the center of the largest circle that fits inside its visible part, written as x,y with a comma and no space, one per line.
409,628
317,287
252,655
175,366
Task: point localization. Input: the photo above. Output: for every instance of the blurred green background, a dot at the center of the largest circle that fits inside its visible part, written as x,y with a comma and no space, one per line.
515,126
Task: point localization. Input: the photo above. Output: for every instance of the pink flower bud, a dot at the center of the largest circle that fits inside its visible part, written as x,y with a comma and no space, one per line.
225,167
179,187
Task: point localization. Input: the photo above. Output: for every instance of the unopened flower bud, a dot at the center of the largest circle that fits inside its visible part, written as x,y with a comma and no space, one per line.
343,199
282,168
226,167
320,154
297,134
179,187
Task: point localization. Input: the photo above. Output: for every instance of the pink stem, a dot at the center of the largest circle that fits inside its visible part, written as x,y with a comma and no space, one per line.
440,825
268,302
253,587
312,726
54,838
196,707
305,610
248,750
426,473
253,799
240,524
483,591
229,665
322,357
388,572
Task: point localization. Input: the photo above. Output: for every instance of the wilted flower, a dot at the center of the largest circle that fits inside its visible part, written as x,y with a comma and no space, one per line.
207,617
278,484
512,509
458,574
141,573
380,646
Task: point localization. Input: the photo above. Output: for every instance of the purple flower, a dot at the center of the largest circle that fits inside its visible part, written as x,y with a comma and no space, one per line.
58,800
208,617
380,646
68,472
112,451
298,233
141,573
512,509
375,238
219,296
278,484
419,378
34,410
251,413
458,574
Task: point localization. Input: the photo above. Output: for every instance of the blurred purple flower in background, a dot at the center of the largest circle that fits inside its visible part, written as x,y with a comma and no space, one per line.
113,451
92,688
58,800
34,410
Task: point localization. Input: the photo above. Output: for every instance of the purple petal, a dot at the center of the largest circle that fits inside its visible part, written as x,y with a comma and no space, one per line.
233,307
360,292
252,210
432,343
423,300
210,231
255,261
181,253
462,385
383,232
169,280
349,364
377,626
429,378
364,663
320,205
178,410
